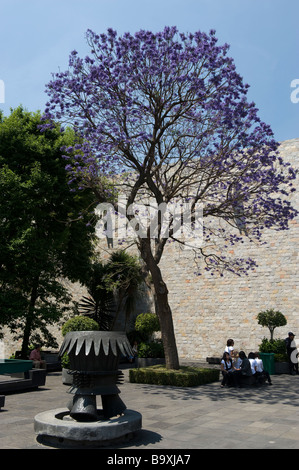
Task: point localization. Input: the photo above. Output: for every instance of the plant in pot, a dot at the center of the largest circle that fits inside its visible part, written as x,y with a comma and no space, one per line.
273,319
150,349
278,348
77,323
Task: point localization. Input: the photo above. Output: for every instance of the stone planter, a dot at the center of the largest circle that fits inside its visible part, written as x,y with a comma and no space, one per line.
281,368
94,358
149,361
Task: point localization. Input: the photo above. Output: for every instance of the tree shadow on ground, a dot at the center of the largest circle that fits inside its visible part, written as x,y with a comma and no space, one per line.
284,391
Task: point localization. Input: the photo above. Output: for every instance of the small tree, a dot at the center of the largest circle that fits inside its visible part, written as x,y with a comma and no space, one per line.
146,324
271,319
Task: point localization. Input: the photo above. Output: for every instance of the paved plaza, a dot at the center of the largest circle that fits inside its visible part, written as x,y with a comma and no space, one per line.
204,417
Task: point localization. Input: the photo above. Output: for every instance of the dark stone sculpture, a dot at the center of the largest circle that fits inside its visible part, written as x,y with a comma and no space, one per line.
94,360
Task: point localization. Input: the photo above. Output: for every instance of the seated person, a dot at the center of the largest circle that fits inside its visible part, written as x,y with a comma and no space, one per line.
236,360
35,356
243,371
260,369
253,364
227,369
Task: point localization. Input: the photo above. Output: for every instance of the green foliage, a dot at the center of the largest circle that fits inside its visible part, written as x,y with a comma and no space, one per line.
124,271
123,277
152,349
100,305
183,377
44,231
277,346
281,357
65,361
146,324
271,319
112,287
79,323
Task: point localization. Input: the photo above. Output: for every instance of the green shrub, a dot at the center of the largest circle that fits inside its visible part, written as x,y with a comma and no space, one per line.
280,358
146,324
277,346
184,377
79,323
65,361
153,349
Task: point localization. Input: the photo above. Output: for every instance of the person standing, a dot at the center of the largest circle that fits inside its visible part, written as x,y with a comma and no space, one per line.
291,347
230,347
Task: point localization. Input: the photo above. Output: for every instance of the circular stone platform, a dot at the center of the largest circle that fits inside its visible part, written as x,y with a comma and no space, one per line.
57,428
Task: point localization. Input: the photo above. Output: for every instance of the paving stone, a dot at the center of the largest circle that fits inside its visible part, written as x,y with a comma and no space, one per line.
173,418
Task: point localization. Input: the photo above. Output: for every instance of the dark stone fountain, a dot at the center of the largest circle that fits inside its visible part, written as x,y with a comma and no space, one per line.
94,361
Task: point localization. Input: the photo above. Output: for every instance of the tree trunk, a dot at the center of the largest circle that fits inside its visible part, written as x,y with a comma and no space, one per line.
271,334
163,309
167,329
29,321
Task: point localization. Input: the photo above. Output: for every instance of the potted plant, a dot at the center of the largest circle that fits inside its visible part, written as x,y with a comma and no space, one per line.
277,347
150,349
273,319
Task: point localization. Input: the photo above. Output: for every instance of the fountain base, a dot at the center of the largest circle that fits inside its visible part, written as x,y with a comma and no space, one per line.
56,428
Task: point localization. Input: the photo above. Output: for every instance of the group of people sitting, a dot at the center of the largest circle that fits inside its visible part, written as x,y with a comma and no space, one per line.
236,365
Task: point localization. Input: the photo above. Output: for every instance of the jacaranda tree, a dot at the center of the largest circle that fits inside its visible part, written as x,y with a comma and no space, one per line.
166,115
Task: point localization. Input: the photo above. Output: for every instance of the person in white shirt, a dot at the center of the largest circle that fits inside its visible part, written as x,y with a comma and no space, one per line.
251,357
227,369
260,368
229,347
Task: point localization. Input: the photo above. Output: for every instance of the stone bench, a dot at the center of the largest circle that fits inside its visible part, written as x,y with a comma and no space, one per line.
213,360
248,380
53,361
33,379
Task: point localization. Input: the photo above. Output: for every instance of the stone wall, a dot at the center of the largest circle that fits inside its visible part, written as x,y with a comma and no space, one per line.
207,310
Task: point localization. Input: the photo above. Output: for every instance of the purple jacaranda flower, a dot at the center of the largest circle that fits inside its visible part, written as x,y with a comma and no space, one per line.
170,113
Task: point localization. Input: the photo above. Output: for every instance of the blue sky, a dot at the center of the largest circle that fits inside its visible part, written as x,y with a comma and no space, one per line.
36,37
